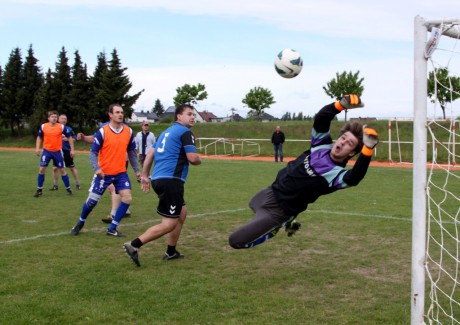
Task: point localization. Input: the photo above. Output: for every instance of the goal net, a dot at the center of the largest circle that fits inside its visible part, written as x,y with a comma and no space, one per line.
435,293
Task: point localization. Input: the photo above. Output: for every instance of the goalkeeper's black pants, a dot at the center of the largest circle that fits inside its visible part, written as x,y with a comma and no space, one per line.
267,221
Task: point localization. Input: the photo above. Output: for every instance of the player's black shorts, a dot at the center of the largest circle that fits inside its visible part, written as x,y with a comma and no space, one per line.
171,195
68,161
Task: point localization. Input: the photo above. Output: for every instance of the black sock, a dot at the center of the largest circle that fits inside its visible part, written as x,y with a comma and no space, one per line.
171,250
136,243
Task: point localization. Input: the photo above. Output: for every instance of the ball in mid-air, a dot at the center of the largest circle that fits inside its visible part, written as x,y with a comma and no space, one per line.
288,63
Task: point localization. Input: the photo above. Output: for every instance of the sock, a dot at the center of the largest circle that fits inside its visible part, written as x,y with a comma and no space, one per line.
171,250
65,179
136,243
40,181
85,211
121,211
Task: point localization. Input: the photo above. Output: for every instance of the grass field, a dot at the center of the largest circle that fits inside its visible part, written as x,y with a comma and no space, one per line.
349,264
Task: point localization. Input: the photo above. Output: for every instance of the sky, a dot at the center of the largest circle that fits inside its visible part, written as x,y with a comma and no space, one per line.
230,46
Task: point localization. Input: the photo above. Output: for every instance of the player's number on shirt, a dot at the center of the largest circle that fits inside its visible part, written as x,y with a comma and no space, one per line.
163,143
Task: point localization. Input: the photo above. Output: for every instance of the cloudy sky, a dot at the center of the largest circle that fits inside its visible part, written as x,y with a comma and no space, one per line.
230,45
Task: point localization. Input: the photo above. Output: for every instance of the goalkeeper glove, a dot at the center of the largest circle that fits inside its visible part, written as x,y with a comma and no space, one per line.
348,102
370,140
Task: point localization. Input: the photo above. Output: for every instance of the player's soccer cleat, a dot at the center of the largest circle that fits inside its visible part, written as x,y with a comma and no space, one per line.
127,214
76,229
174,256
132,252
77,186
292,227
69,191
54,188
38,193
108,219
114,233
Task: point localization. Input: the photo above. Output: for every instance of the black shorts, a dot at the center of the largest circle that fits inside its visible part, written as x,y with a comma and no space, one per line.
68,161
171,195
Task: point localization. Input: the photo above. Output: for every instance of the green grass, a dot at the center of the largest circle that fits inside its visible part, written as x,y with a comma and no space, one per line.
349,264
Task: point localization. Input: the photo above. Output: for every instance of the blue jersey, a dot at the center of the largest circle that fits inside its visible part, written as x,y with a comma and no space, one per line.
65,144
170,153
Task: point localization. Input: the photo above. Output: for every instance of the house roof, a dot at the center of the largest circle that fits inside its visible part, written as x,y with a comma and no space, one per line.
207,116
150,116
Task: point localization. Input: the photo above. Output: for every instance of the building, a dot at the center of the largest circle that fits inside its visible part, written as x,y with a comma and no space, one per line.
139,117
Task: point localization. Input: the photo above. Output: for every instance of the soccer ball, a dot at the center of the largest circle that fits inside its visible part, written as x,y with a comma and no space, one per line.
288,63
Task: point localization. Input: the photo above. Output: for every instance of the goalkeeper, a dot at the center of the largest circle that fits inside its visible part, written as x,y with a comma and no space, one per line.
317,171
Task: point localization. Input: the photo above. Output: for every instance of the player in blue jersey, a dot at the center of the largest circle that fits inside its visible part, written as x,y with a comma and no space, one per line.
317,171
173,152
68,159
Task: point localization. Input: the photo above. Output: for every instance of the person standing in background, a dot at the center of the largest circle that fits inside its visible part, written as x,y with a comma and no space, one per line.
278,140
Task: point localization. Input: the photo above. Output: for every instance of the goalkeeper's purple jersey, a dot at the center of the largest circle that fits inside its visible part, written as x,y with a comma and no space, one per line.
314,173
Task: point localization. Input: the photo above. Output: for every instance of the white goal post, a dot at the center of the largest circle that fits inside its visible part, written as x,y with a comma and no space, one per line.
423,48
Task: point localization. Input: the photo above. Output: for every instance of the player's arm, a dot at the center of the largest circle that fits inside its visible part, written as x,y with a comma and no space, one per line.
193,158
359,170
38,143
85,138
188,143
148,162
324,117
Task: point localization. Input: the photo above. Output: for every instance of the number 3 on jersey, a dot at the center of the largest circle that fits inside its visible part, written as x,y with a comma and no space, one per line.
163,144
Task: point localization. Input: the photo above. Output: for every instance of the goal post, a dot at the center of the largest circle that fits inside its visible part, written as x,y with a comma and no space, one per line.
423,49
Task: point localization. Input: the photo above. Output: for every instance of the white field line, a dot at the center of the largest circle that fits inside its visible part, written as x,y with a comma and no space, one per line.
325,213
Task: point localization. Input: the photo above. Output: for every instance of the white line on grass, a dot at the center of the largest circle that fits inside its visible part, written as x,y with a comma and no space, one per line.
18,240
326,213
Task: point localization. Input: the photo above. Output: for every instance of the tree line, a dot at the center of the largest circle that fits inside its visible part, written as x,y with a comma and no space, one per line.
27,94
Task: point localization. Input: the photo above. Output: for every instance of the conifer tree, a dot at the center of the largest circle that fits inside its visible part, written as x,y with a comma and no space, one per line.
80,94
33,80
13,82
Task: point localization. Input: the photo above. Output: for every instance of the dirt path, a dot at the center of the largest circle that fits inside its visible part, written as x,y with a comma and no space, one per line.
258,158
265,158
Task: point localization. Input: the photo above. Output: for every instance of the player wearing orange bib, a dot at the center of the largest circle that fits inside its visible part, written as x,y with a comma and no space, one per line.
51,135
108,159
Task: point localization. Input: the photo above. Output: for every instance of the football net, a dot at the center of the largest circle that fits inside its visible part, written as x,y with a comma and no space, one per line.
435,290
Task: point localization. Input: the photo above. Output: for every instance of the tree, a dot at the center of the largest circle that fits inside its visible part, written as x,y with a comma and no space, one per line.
114,88
45,95
99,103
33,80
80,94
190,94
61,84
344,84
2,109
158,109
13,83
443,88
258,99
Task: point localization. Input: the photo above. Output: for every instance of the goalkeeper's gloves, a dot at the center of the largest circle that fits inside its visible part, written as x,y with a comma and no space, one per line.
348,102
370,140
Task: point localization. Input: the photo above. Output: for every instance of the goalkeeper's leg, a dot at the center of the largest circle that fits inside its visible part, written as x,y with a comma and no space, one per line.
265,224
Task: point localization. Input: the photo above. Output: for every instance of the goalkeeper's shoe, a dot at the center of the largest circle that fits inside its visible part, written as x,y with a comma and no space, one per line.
132,252
54,188
38,193
76,229
174,256
292,227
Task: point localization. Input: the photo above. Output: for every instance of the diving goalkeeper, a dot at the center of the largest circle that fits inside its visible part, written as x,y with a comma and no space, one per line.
318,171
